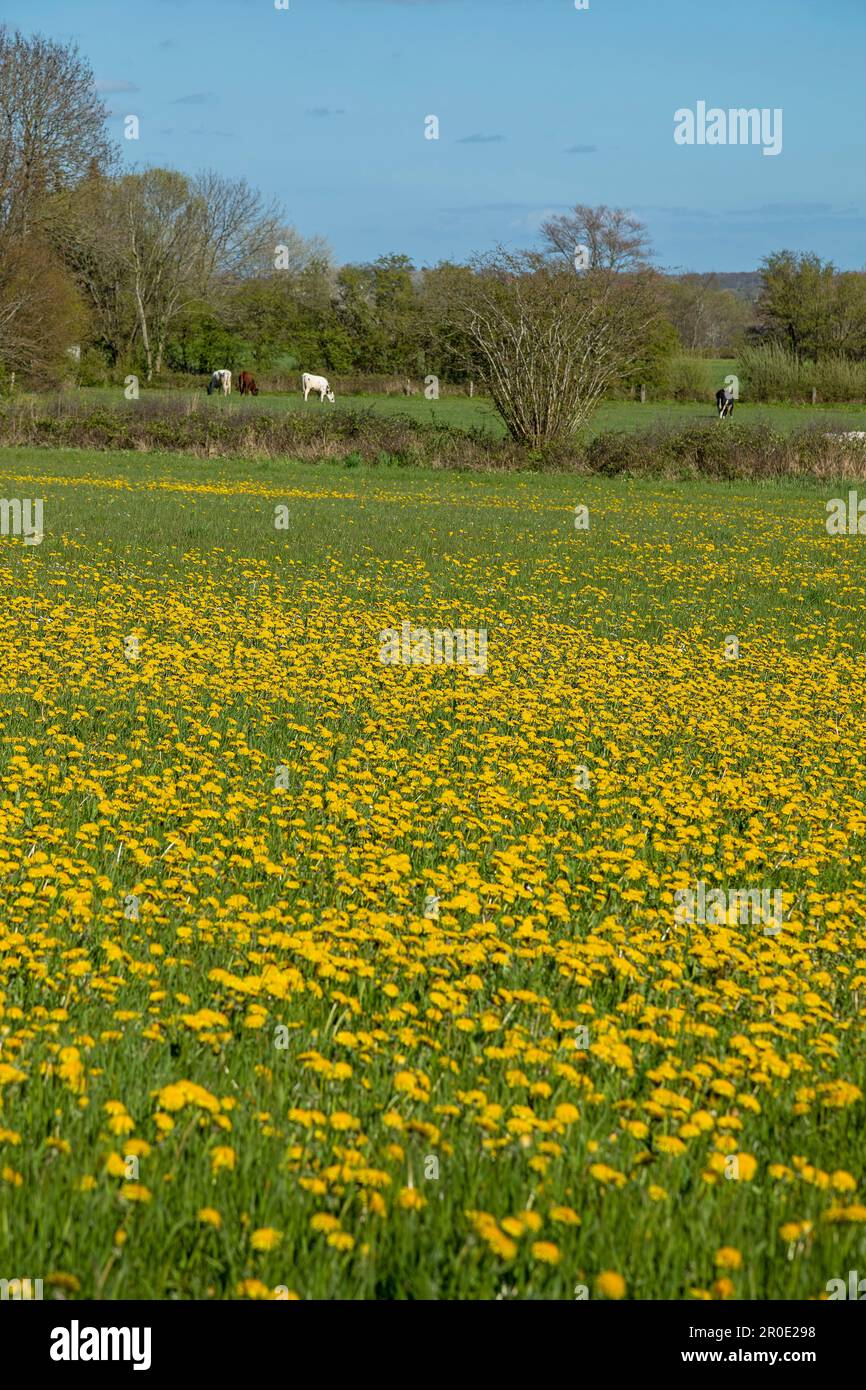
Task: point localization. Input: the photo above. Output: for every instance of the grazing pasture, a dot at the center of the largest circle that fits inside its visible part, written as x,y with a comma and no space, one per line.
479,413
322,977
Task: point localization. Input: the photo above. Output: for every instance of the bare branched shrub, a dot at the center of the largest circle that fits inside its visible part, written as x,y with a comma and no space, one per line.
550,342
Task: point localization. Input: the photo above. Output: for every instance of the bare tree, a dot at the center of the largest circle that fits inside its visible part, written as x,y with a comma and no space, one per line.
550,342
85,226
704,315
240,230
615,241
185,238
164,229
52,124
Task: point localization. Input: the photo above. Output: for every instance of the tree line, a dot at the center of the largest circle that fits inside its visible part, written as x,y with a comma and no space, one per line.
158,271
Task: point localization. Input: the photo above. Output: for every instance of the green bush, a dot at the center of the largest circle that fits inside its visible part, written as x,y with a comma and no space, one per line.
93,368
688,379
775,373
726,452
839,378
711,449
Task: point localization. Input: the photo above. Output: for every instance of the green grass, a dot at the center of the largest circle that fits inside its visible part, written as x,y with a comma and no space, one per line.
302,906
463,413
720,367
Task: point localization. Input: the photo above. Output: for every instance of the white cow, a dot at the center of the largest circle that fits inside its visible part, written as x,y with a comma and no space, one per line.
221,380
316,383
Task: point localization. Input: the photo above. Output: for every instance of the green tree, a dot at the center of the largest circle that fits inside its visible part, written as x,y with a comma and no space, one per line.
378,311
446,348
796,302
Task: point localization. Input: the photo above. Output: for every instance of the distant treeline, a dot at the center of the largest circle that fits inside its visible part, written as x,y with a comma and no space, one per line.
161,273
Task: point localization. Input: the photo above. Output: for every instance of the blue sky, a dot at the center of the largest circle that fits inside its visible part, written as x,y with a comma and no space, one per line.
539,106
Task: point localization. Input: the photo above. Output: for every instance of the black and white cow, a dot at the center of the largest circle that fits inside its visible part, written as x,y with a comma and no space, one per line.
221,380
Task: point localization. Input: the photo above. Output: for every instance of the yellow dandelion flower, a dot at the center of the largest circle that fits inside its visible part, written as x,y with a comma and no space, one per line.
121,1124
667,1144
324,1221
341,1240
841,1181
342,1121
139,1148
545,1252
564,1216
253,1288
410,1199
265,1238
135,1192
604,1174
500,1244
609,1284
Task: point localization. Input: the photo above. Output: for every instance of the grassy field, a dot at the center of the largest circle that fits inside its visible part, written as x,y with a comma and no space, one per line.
477,413
241,1055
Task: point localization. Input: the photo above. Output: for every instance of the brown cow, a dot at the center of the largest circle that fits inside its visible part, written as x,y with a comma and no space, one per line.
246,384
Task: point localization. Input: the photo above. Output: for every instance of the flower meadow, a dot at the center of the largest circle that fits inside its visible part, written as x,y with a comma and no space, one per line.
325,977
